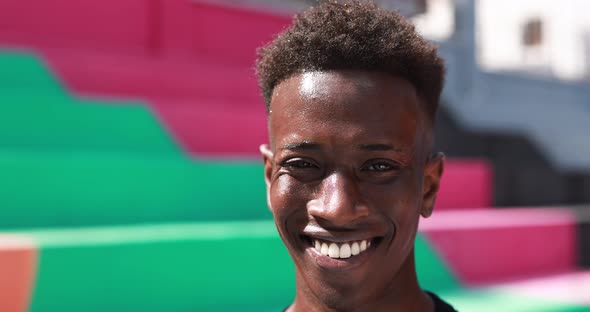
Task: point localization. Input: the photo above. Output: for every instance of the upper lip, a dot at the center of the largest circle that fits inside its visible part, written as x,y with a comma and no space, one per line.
338,236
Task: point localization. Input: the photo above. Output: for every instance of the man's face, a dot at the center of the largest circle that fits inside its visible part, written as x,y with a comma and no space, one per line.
348,177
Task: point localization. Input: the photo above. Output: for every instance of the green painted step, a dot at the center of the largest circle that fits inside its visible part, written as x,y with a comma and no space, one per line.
81,189
433,274
37,122
182,267
24,72
33,100
36,112
203,266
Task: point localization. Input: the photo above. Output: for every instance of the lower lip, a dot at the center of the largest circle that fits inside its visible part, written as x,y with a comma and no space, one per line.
352,262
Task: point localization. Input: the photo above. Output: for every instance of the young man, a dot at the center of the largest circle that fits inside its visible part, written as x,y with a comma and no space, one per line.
352,92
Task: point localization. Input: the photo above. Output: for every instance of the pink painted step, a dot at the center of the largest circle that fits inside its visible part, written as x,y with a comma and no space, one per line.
216,32
466,184
215,130
151,78
108,25
162,28
148,49
490,245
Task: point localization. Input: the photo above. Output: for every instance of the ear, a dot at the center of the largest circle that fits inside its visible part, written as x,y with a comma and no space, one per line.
431,183
267,157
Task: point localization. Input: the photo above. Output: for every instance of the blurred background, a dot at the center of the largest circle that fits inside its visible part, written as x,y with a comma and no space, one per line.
130,178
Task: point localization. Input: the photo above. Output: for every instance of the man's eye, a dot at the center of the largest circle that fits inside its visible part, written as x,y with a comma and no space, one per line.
381,167
298,164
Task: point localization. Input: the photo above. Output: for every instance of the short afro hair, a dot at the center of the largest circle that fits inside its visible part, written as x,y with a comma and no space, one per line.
352,35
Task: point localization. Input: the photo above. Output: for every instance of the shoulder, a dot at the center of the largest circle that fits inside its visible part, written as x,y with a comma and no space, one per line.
440,305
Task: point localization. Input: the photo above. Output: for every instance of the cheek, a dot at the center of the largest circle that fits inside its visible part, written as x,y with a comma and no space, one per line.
399,203
406,212
398,198
288,199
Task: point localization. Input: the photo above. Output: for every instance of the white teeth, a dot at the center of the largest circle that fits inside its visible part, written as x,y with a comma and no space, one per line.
363,246
345,251
355,249
334,251
324,250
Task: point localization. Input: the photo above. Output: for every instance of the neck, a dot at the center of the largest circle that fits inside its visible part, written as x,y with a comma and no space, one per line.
402,294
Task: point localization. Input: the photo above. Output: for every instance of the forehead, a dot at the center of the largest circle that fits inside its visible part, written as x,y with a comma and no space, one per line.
345,107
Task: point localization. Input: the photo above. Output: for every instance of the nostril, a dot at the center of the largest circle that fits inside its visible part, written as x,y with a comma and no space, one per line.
337,212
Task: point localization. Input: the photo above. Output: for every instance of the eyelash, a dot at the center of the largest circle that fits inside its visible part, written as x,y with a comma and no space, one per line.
298,164
303,164
390,167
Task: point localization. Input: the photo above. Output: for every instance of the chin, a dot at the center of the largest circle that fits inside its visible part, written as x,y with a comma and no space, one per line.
345,298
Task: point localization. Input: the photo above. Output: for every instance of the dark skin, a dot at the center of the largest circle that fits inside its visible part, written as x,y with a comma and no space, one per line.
349,160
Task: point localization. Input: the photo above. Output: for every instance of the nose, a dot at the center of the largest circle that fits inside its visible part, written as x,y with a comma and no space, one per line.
339,201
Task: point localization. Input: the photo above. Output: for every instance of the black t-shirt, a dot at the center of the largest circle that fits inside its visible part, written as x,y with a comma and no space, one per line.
439,304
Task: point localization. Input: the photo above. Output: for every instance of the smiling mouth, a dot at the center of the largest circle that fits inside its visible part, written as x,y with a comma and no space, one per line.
341,250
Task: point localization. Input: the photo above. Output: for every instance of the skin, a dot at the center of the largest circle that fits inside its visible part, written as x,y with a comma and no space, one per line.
349,159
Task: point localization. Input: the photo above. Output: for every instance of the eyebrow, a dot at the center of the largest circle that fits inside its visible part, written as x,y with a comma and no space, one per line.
378,147
305,145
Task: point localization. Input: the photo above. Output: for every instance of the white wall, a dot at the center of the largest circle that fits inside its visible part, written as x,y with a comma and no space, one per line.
437,23
564,52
